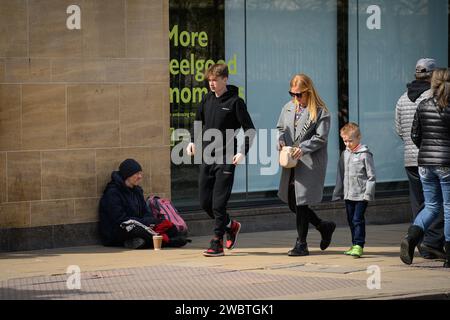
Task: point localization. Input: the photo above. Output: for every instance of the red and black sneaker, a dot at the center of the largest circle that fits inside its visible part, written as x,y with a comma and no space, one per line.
215,248
232,234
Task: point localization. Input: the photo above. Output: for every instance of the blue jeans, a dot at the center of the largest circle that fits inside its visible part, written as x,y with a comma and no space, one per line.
355,217
436,190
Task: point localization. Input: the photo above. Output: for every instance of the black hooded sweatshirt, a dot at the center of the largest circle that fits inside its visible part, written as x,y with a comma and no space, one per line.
416,88
118,204
225,112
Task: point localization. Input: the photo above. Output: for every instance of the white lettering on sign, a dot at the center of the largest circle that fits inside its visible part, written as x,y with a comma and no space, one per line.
74,20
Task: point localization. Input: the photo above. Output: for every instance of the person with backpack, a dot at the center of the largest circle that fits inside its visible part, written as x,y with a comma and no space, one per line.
220,110
125,217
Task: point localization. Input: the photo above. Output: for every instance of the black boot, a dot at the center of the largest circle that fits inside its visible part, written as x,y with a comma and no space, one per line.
409,243
428,252
326,229
447,254
300,249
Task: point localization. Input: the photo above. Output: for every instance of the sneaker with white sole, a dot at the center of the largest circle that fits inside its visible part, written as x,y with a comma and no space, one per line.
215,248
232,234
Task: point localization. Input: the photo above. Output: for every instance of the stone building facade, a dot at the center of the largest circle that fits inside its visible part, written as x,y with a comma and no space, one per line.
81,88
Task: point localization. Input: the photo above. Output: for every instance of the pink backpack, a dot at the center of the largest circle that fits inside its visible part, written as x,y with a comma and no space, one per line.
165,210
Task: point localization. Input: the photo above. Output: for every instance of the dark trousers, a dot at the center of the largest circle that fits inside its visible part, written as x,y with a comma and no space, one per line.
215,185
356,221
415,190
304,215
138,232
434,237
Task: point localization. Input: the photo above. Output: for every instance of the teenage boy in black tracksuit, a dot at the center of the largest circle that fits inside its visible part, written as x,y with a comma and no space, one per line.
221,109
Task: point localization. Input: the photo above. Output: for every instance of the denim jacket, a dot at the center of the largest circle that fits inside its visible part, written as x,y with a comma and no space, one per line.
356,176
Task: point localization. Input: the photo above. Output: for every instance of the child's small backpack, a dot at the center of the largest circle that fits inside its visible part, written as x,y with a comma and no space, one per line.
165,210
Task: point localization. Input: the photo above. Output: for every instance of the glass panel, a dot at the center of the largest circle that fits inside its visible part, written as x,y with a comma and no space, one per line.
266,42
235,52
385,41
196,36
285,38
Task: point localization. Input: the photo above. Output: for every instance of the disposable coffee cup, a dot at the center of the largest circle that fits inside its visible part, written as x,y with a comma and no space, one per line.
157,242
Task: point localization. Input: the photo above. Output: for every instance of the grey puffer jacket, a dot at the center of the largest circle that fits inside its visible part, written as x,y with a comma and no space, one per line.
405,109
356,176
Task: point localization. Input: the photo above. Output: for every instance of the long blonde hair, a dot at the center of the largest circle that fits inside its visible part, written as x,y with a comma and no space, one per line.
314,101
440,84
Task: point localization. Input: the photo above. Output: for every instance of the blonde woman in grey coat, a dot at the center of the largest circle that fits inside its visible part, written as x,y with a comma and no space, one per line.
304,123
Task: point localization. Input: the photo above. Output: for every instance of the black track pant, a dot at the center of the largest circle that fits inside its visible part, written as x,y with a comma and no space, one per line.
215,184
137,232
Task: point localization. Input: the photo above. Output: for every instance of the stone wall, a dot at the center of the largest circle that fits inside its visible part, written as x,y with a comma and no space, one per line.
75,103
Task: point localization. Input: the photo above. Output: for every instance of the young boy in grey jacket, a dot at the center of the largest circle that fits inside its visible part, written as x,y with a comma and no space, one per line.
355,183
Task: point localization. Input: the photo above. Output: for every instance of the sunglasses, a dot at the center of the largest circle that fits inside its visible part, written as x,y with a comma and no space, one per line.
293,94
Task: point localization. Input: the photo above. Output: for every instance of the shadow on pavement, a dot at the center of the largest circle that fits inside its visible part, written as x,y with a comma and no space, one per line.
60,251
27,294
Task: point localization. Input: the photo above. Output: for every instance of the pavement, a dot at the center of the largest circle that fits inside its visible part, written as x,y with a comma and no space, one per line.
257,269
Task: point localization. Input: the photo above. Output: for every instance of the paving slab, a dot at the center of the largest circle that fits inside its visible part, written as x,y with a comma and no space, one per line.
257,269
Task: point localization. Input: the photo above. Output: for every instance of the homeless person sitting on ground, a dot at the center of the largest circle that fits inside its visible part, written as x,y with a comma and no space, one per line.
124,214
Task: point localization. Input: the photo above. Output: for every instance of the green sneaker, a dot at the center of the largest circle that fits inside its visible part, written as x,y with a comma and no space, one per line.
357,251
349,251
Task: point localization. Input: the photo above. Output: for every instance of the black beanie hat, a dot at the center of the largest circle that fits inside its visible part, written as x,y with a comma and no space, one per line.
129,167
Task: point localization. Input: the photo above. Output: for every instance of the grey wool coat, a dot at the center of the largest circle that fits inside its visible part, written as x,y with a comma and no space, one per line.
311,168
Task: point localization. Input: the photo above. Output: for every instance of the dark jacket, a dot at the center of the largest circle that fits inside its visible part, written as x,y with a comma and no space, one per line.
225,112
416,88
118,204
431,134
